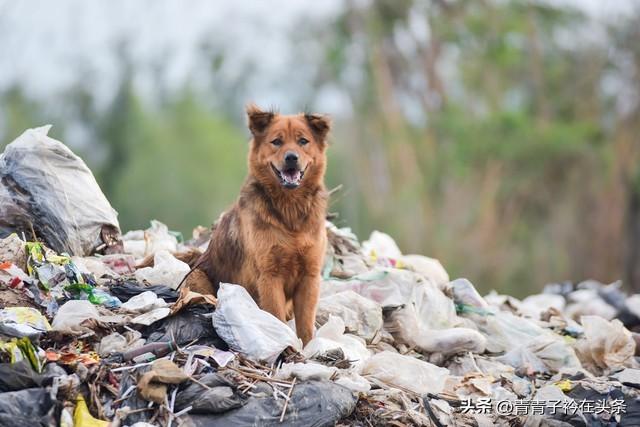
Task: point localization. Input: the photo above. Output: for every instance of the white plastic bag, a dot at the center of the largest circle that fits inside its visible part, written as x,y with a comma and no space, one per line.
606,345
430,268
354,382
533,306
465,295
71,314
545,353
505,331
249,330
381,245
43,179
395,369
112,343
141,243
406,327
23,322
361,316
331,336
143,302
167,270
306,371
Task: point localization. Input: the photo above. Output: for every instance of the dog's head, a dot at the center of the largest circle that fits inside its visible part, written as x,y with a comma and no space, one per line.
287,151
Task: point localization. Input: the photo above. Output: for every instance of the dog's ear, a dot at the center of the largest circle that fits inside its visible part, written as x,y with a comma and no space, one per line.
319,125
258,120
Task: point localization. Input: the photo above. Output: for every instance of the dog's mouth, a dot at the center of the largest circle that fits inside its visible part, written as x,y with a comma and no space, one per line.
289,177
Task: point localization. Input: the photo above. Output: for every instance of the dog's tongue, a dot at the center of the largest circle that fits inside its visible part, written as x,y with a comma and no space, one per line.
292,176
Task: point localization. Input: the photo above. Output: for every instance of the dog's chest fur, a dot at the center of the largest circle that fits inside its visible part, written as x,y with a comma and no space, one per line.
284,239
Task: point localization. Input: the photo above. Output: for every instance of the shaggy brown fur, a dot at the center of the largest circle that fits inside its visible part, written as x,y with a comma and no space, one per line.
272,241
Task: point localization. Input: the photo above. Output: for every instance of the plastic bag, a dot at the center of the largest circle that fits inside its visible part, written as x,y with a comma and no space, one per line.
381,245
20,349
466,297
193,323
354,382
12,250
344,257
505,331
545,353
42,178
361,316
143,302
248,330
312,403
148,242
167,270
152,316
27,408
587,302
94,266
331,336
606,345
534,305
305,371
125,290
406,327
395,369
71,314
112,343
430,268
83,418
23,322
221,396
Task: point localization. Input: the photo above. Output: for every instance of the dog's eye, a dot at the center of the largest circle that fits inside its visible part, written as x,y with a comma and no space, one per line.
277,142
303,141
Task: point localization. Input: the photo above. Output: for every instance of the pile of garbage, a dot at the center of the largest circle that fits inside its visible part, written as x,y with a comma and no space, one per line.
96,329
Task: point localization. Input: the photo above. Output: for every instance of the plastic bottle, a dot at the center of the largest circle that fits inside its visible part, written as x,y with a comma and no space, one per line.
149,352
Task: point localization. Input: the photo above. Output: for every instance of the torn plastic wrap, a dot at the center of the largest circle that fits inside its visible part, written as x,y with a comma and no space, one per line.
44,186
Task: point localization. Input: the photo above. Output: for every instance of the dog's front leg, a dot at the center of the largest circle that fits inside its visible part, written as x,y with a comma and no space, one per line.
272,299
305,301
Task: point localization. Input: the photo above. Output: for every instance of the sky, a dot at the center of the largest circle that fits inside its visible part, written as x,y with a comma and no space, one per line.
46,45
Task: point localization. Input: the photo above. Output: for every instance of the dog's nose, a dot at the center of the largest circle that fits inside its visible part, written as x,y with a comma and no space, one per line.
290,157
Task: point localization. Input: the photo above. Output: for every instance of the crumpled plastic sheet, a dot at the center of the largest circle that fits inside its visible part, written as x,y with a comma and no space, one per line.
248,330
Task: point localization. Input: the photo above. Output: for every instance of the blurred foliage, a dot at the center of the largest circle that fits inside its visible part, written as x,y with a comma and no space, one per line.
483,133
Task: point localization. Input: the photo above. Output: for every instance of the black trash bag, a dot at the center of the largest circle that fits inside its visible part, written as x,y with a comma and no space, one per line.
42,178
124,290
18,376
312,403
222,397
190,324
32,407
133,400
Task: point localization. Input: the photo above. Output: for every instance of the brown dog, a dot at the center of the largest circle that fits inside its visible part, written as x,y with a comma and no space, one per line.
272,241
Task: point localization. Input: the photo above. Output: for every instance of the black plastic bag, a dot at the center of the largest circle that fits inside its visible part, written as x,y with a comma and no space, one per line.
312,403
32,407
133,400
124,290
18,376
193,323
222,397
